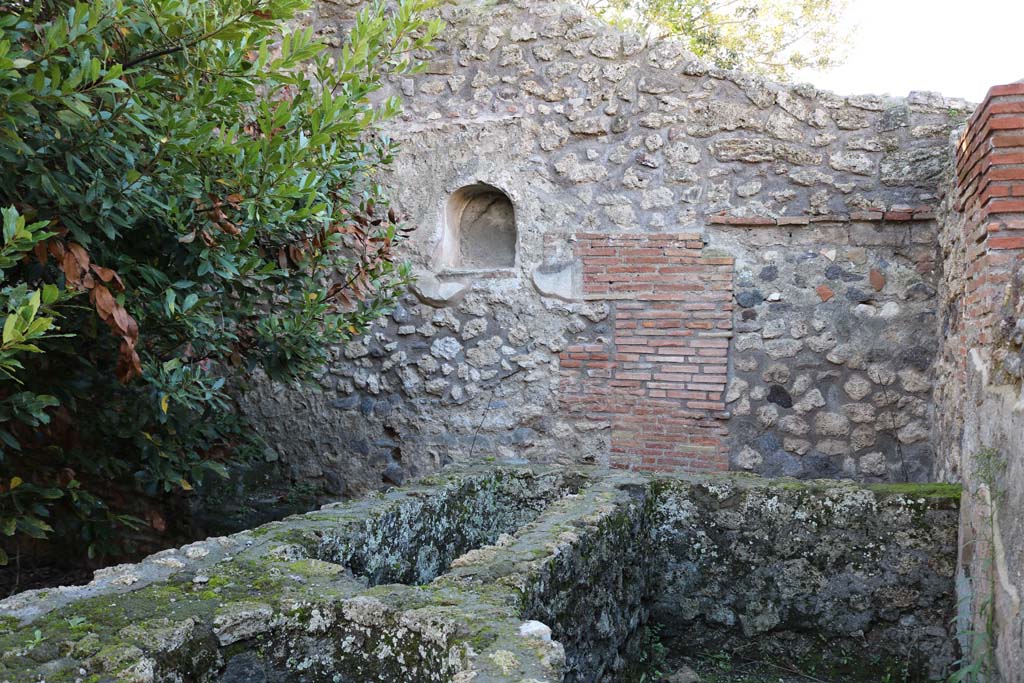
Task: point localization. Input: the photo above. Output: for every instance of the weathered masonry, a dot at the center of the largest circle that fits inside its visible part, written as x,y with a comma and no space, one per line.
979,400
521,575
658,379
630,258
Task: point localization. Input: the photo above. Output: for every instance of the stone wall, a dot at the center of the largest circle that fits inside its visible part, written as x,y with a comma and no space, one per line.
835,338
756,568
821,206
979,397
521,575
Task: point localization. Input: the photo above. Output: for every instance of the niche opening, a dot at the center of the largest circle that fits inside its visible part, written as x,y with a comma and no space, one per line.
480,229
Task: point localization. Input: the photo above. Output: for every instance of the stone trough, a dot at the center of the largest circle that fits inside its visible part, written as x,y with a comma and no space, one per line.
525,575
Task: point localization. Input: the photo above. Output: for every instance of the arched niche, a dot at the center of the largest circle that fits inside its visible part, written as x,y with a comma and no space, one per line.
479,230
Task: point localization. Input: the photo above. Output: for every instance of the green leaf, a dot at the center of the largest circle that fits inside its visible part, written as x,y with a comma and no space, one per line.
34,301
215,467
50,294
38,327
11,329
33,527
9,440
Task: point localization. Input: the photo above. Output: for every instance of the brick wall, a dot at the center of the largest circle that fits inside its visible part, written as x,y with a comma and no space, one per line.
990,196
660,379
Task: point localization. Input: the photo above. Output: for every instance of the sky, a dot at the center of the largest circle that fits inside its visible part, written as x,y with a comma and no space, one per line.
956,47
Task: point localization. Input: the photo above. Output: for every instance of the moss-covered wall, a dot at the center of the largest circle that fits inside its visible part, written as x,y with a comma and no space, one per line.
855,580
516,574
261,605
415,541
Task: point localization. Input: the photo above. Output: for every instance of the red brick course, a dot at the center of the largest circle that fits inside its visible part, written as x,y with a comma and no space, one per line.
902,215
660,380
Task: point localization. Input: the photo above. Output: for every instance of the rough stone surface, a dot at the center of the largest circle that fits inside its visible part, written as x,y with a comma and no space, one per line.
517,574
785,567
815,353
274,603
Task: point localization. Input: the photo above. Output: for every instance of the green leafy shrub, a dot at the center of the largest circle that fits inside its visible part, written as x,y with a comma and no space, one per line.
190,196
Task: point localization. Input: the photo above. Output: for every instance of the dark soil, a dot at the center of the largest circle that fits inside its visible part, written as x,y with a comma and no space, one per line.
15,578
726,670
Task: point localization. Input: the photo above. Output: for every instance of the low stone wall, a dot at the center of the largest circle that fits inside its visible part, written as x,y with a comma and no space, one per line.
990,576
517,575
262,605
822,576
593,593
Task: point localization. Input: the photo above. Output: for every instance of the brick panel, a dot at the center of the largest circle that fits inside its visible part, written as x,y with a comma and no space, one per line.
660,380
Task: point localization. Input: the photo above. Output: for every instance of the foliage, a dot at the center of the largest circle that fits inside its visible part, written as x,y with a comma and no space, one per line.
190,196
774,38
649,663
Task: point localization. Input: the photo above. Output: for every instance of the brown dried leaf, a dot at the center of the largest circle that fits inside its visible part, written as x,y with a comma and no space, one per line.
65,476
104,302
81,255
40,253
56,250
72,271
156,520
230,228
108,275
129,366
123,323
